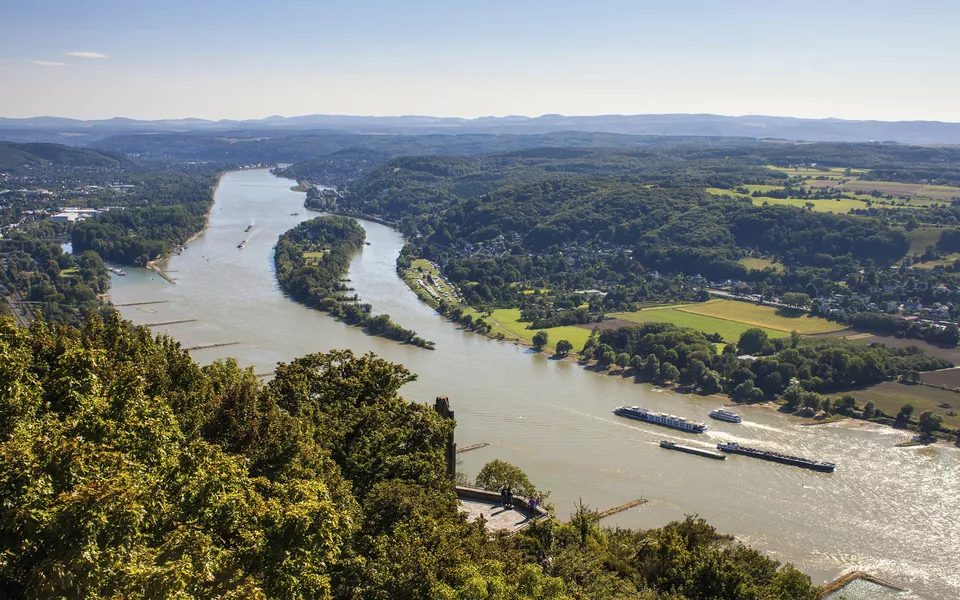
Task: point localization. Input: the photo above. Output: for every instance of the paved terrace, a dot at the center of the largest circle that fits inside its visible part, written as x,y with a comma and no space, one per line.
499,518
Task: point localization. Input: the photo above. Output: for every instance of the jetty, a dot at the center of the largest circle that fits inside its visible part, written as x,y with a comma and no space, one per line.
842,581
472,447
143,303
208,346
162,323
617,509
161,273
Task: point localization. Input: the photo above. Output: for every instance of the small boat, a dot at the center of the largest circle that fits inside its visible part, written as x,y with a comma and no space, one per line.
722,414
367,243
242,244
294,214
249,227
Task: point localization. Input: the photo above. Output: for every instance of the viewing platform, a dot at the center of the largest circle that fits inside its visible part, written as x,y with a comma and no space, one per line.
476,502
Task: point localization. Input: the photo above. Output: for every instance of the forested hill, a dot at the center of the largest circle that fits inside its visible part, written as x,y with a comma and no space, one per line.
129,471
650,202
18,157
257,146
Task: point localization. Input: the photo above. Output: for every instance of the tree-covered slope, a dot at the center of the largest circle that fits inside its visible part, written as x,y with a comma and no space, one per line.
16,157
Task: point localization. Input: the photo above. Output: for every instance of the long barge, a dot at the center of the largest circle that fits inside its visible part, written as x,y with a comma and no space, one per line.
648,416
691,450
779,457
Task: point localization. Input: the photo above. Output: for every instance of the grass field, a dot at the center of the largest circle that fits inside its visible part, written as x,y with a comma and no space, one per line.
69,272
763,188
948,259
834,206
507,321
921,237
767,317
729,330
313,258
760,264
831,206
889,396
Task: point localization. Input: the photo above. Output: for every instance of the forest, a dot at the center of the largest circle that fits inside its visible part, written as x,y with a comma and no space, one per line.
128,470
662,352
312,260
161,214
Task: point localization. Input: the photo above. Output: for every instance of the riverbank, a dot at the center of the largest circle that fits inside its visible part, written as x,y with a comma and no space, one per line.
431,288
154,265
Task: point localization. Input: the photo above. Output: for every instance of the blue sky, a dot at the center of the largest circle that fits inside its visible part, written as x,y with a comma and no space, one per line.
240,59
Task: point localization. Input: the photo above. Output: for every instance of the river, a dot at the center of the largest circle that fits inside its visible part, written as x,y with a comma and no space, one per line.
893,512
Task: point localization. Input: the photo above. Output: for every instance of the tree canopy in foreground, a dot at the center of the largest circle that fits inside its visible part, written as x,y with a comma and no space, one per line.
128,470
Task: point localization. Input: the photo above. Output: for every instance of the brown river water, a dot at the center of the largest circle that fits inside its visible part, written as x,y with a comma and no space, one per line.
893,512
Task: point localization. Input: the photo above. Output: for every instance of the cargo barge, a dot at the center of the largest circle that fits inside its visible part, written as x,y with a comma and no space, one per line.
786,459
691,450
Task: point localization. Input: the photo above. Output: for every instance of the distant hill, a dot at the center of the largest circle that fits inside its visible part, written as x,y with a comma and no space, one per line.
70,131
14,157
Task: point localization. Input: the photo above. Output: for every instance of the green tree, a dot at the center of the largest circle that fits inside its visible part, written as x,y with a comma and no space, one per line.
564,347
929,422
793,396
796,300
540,340
498,474
669,373
752,341
869,409
846,404
710,382
794,339
651,368
623,359
906,411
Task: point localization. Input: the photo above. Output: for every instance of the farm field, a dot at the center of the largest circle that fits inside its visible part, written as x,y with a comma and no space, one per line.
935,193
949,378
889,396
833,206
767,317
832,172
728,329
951,354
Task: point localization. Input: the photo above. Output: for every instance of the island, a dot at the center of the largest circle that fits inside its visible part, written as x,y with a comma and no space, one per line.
311,261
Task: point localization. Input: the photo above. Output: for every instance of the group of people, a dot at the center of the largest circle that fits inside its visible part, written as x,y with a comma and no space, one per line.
506,497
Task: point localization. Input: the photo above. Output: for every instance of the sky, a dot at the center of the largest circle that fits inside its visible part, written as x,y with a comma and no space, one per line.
241,59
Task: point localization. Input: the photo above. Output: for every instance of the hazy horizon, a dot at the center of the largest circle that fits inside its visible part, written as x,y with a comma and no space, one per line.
240,60
428,116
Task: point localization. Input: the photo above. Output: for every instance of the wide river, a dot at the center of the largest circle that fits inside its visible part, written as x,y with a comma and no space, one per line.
894,512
